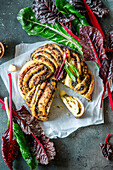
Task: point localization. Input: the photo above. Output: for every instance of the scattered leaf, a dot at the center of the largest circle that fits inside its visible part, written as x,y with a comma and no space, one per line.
95,5
74,69
93,19
65,8
9,150
69,72
43,149
9,146
46,12
106,70
91,41
24,146
107,148
54,32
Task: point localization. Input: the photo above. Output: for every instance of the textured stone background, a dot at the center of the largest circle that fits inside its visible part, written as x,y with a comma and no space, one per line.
79,151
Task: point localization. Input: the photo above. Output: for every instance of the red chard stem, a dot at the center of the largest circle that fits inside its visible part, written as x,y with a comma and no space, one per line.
107,138
39,143
107,49
1,101
69,32
10,107
3,107
59,73
93,18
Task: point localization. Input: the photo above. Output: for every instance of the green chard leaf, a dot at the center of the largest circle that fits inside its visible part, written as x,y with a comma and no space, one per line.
75,70
24,146
64,7
54,32
70,74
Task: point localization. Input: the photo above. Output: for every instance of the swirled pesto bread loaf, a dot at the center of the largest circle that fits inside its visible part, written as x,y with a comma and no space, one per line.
37,83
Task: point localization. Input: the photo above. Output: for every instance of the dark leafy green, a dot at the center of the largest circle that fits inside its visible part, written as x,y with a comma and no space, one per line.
104,70
107,65
64,7
91,41
107,148
43,149
9,150
54,32
24,146
92,45
95,5
46,12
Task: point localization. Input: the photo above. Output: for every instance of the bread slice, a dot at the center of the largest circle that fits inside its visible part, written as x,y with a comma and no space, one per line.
74,105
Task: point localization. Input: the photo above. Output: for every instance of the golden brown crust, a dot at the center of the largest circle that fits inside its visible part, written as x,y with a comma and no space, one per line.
55,51
29,96
85,82
45,55
24,70
42,99
37,84
91,87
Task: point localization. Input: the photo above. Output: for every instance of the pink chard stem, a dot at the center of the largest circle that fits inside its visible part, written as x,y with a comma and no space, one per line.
107,138
10,107
69,32
3,107
61,67
93,18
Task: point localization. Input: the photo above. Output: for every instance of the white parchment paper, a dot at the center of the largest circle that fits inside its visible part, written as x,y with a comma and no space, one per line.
60,124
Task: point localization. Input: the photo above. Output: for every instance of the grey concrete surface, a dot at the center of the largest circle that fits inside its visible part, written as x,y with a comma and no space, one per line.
79,151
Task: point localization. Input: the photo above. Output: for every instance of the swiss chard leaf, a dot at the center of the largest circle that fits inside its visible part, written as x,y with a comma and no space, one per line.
107,150
24,146
93,19
74,69
92,45
54,32
64,7
9,146
43,149
9,150
43,155
91,41
106,69
70,74
95,5
46,12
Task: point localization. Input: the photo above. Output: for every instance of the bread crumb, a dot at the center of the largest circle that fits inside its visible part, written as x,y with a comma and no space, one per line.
60,106
12,68
68,114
